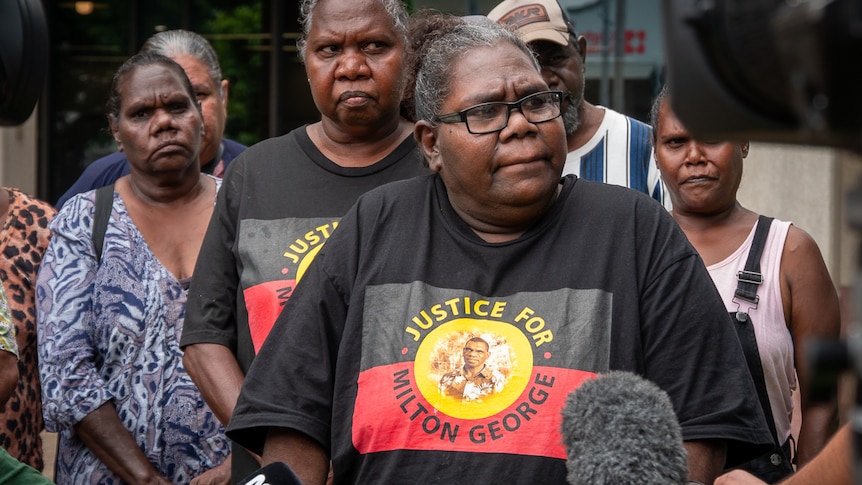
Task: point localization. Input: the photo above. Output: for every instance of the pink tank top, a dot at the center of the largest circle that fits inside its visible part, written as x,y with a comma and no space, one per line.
770,327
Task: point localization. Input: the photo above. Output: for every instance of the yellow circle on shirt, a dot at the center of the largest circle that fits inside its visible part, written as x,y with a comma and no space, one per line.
303,265
510,363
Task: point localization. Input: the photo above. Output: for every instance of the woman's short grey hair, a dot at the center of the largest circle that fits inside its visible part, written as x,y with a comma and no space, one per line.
434,77
395,8
172,43
653,112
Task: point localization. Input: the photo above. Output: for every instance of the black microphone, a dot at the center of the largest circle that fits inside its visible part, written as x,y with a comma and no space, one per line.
277,473
621,428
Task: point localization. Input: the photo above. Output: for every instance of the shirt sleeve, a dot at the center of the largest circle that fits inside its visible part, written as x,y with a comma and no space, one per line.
7,328
211,310
72,386
692,352
300,352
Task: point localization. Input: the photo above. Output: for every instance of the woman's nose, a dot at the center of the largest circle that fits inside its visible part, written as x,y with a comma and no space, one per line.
163,120
518,124
353,65
694,152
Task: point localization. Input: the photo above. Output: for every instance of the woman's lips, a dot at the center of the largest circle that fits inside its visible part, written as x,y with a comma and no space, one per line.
354,97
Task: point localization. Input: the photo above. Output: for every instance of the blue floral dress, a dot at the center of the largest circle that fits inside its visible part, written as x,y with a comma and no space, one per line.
110,332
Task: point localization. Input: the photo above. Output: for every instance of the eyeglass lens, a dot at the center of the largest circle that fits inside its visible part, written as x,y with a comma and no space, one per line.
490,117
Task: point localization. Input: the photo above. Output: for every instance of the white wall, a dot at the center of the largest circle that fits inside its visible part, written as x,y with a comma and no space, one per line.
18,155
804,185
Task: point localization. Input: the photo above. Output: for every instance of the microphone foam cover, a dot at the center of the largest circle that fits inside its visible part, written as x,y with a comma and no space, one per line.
621,428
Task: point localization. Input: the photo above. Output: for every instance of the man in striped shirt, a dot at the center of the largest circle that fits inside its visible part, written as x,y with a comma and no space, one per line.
604,145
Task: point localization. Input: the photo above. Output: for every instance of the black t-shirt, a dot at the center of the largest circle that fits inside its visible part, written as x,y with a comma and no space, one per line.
280,201
605,280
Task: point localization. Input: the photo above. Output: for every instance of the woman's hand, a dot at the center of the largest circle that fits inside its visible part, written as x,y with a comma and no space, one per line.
111,442
219,475
738,477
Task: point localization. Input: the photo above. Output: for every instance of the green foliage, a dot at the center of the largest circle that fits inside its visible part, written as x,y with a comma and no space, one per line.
241,55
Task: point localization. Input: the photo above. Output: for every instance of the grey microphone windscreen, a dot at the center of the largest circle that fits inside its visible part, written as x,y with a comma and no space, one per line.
621,428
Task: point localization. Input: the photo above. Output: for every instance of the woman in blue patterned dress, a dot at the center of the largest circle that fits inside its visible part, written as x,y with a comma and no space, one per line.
113,383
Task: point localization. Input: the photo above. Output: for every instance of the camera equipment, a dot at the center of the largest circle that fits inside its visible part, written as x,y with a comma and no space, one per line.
771,70
23,58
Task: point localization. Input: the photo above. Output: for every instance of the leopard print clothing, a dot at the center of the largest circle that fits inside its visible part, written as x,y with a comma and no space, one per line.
7,328
23,241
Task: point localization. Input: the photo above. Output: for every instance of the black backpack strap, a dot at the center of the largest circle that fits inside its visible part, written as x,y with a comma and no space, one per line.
748,281
104,204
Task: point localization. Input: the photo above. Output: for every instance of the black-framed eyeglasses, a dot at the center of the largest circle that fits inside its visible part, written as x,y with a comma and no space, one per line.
494,116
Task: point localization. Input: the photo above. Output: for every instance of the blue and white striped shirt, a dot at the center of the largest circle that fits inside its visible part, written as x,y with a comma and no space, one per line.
620,153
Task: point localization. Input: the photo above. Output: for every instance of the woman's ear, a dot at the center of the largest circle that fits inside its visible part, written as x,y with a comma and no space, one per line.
426,137
115,132
225,94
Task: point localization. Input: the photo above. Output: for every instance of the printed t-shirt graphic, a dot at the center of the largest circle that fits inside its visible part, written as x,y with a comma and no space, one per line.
275,255
541,346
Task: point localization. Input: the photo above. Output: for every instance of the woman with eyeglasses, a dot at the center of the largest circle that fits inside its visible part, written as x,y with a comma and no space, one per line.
562,278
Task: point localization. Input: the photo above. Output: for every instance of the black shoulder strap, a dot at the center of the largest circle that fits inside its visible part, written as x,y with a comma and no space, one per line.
104,203
750,278
748,281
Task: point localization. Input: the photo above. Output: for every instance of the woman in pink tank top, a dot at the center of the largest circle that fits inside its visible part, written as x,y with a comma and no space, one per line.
797,299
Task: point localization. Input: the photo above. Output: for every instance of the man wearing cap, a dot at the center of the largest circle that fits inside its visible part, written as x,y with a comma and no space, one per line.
604,145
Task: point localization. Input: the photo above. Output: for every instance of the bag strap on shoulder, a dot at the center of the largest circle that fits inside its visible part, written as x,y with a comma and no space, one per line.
104,204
